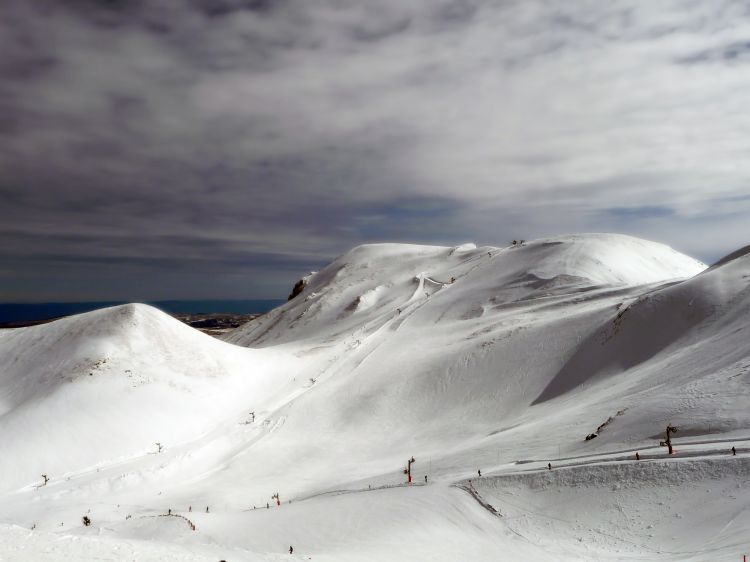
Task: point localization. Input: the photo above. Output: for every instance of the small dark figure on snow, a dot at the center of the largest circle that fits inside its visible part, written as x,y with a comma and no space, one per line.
190,508
170,511
425,479
267,506
637,457
206,509
291,550
734,451
549,466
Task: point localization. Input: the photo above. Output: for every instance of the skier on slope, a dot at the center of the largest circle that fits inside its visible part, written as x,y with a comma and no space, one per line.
291,550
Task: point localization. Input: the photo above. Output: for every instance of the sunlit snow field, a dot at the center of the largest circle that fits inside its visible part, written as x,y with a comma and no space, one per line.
494,359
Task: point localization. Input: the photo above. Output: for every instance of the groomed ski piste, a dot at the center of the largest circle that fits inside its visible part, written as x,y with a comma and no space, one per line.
467,359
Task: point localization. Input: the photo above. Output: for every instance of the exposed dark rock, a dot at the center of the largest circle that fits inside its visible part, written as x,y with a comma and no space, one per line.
299,286
215,323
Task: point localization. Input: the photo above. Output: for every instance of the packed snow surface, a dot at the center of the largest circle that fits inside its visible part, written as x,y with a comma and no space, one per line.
296,430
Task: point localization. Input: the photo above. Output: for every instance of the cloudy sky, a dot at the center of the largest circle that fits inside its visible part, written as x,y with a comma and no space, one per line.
222,148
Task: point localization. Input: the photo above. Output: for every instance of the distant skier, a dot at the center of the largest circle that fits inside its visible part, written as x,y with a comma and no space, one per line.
267,506
190,509
291,550
425,479
479,472
206,509
637,456
734,451
549,466
170,511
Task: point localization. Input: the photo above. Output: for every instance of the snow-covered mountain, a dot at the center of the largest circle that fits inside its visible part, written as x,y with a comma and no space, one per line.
494,359
372,280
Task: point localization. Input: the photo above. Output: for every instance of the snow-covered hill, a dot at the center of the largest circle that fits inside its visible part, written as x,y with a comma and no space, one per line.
108,385
499,359
378,279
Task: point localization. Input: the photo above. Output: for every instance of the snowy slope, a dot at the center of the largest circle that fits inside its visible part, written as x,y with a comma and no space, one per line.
109,384
378,279
699,324
499,359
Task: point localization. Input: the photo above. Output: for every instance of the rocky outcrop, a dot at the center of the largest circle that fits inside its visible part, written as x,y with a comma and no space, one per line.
299,286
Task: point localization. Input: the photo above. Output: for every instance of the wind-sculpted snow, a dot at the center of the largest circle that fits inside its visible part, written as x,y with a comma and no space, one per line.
466,358
397,273
680,318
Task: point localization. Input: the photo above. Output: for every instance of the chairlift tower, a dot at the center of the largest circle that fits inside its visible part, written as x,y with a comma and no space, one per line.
668,441
407,470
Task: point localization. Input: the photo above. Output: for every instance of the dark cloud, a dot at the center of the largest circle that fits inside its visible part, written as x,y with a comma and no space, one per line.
145,145
736,52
